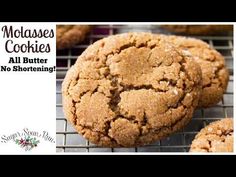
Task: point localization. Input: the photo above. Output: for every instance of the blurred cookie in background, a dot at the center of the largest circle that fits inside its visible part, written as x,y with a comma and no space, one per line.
199,29
70,35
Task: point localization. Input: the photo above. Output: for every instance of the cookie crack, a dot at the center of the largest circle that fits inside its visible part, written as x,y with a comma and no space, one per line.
172,125
74,113
169,127
217,76
210,145
223,135
99,132
116,99
73,110
144,122
146,87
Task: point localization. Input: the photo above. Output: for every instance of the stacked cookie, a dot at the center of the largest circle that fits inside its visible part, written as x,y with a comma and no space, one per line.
215,75
133,89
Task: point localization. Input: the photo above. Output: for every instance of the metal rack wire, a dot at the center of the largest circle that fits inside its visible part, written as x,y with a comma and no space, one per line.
68,140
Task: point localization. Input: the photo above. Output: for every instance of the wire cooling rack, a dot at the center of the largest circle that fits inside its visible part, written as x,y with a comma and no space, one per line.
68,140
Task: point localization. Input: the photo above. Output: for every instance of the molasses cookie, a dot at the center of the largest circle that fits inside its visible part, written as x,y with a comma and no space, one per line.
69,35
216,137
215,75
131,89
199,29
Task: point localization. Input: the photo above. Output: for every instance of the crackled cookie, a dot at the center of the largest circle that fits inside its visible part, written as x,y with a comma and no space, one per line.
216,137
69,35
199,29
215,75
130,90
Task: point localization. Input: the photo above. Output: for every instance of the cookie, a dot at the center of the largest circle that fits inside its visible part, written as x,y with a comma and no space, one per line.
216,137
199,29
130,89
69,35
215,75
